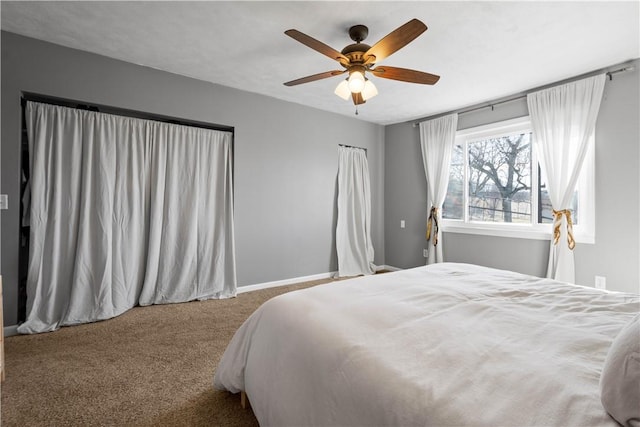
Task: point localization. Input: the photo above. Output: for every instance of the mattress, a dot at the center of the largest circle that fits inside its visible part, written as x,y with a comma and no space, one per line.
441,345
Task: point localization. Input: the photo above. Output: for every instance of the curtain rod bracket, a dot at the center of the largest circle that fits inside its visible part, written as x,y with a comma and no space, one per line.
621,70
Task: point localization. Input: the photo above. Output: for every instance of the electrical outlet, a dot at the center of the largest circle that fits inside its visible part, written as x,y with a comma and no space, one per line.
402,223
425,253
4,201
601,282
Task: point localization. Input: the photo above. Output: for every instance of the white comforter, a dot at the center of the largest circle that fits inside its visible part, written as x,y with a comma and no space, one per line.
443,345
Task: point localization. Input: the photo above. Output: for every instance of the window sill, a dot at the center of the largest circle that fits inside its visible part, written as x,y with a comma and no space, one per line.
517,231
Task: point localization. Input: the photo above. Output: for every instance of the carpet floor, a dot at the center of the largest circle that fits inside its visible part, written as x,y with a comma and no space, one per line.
152,366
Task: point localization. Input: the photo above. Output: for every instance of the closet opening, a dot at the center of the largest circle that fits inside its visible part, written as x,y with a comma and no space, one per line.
25,173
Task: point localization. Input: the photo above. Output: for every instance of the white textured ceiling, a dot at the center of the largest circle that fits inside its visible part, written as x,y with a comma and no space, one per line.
481,50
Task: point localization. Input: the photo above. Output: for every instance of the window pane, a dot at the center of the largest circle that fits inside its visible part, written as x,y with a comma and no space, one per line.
500,179
453,206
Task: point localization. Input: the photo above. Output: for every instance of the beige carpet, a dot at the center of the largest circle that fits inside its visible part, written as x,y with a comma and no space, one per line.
152,366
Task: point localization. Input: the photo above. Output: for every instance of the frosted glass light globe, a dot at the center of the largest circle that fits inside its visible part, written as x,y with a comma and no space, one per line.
356,82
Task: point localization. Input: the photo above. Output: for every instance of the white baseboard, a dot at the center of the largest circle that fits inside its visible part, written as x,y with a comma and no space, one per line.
10,331
265,285
294,280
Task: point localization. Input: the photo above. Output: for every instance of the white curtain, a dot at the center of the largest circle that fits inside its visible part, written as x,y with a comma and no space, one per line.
437,138
563,120
353,230
123,212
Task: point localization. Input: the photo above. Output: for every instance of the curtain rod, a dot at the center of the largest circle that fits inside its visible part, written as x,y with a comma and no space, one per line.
524,94
352,146
98,108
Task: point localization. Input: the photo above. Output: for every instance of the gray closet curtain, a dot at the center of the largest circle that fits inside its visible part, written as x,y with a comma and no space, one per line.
124,212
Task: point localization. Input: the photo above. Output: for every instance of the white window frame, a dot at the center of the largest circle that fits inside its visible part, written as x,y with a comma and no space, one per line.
584,230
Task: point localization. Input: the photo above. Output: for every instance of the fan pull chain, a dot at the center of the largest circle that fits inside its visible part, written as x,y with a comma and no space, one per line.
356,110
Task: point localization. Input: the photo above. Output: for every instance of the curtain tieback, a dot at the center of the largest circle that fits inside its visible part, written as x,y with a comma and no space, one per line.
432,222
557,222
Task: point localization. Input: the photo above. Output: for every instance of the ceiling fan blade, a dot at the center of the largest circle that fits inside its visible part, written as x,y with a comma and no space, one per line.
315,77
318,46
357,98
405,75
395,40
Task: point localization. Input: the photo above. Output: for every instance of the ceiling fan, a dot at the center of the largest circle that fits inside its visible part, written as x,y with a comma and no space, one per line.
359,58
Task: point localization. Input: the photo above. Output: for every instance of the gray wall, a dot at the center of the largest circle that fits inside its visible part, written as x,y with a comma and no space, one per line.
286,156
286,164
616,253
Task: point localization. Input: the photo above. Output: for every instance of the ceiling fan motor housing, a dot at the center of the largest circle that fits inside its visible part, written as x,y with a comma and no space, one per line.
356,50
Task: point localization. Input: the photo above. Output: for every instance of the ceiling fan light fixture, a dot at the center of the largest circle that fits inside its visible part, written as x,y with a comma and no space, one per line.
343,90
359,58
369,90
356,81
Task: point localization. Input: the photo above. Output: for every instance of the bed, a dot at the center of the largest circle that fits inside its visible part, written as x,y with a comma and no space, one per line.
442,345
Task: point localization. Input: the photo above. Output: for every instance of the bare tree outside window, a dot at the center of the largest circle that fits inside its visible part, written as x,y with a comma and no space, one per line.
500,179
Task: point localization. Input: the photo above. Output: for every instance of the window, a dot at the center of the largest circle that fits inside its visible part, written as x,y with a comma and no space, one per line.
496,186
